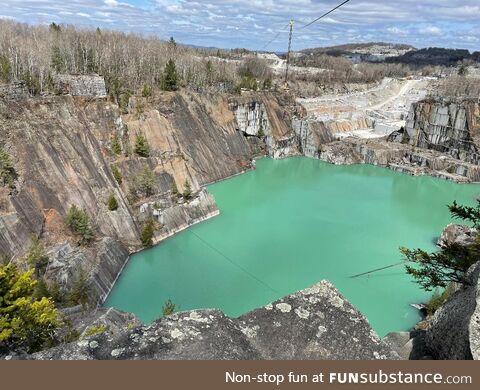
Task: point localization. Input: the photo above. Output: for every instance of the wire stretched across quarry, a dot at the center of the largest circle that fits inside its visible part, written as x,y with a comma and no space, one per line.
266,285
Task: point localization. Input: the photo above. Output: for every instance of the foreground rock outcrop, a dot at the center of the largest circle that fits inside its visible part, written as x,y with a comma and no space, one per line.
316,323
454,331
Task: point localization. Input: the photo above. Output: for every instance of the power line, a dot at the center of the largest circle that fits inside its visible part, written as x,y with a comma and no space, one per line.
275,37
325,14
235,264
377,269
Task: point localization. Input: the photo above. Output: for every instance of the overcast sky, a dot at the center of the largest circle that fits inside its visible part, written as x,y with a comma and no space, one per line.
253,23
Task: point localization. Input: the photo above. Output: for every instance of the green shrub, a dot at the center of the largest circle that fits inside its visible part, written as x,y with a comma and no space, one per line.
79,291
438,299
146,235
261,133
7,171
112,202
174,188
95,330
187,193
147,90
116,146
168,308
267,84
123,100
25,322
142,148
249,82
169,80
5,69
143,183
36,257
79,222
450,264
117,174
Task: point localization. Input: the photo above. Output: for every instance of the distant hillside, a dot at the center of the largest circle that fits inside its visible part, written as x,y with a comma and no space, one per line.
354,47
362,52
435,56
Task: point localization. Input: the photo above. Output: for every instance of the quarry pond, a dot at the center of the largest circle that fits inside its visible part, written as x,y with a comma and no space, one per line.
286,226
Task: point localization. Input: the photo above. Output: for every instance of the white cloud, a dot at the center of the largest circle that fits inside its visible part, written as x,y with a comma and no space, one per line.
397,31
431,30
111,3
251,24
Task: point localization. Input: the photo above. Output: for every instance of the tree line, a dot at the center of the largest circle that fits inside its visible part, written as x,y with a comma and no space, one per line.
129,62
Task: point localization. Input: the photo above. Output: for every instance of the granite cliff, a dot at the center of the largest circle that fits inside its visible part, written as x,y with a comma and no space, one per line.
63,154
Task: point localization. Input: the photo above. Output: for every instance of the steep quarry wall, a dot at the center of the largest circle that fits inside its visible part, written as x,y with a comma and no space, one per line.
451,127
61,147
60,162
267,116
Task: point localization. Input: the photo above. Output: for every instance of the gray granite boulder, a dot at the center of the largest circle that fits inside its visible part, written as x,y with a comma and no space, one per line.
456,234
316,323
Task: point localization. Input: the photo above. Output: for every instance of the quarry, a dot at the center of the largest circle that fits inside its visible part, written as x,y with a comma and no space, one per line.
62,143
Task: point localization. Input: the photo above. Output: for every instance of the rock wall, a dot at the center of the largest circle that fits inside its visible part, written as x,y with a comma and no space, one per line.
60,162
16,90
61,148
454,331
451,127
316,323
81,85
311,135
399,157
264,115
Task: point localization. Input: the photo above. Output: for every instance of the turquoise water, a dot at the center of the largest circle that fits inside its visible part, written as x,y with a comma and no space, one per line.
288,225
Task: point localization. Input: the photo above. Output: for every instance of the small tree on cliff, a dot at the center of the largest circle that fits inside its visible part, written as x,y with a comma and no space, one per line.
36,256
146,235
78,221
116,146
142,148
439,269
168,308
112,202
170,77
187,192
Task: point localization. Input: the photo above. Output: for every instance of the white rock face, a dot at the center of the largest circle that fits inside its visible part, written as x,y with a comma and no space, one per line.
252,118
81,85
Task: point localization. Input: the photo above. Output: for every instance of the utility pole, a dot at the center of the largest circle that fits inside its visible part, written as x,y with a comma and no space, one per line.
288,52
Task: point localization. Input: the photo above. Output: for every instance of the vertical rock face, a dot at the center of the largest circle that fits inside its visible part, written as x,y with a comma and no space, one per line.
60,163
450,127
311,135
264,116
62,151
454,332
